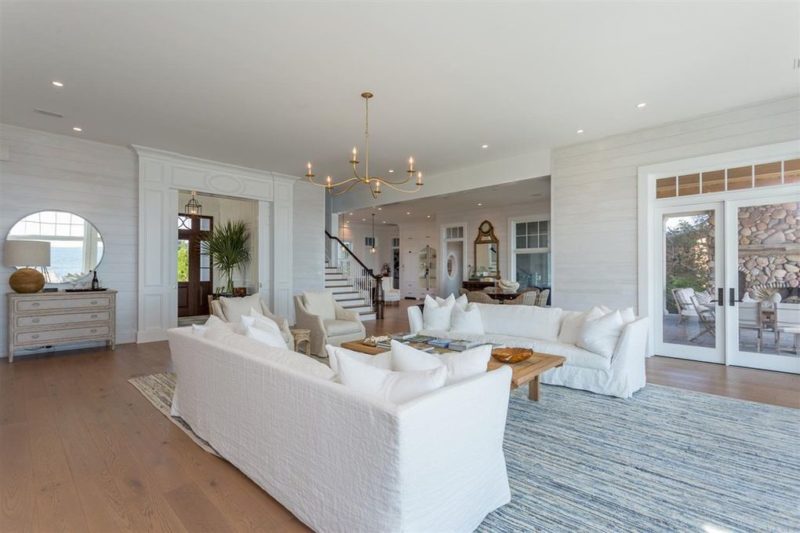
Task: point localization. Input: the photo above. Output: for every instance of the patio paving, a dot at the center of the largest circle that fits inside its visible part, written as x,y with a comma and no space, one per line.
680,333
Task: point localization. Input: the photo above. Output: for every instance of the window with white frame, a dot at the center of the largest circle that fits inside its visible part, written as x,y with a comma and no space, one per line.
530,252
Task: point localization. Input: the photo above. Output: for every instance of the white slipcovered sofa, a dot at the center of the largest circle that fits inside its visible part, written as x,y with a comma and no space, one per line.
540,328
337,459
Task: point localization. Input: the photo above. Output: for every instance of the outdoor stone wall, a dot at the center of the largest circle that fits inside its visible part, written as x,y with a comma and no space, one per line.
769,245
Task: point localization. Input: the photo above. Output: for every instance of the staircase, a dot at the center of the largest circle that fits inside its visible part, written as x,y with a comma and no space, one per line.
346,295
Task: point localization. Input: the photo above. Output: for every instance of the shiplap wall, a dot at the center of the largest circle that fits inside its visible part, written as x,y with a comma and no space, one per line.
594,194
309,238
94,180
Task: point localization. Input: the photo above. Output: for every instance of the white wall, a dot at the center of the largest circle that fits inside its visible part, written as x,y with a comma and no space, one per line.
94,180
231,209
594,194
309,238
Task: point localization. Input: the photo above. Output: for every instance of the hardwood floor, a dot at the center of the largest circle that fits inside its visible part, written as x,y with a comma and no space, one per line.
82,450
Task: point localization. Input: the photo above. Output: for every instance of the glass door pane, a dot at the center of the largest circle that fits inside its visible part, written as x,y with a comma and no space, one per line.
691,317
765,276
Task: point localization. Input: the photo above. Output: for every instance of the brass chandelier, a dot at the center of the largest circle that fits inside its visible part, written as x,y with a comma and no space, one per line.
374,183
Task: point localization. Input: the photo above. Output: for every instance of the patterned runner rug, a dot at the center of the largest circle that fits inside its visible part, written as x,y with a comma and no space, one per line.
667,460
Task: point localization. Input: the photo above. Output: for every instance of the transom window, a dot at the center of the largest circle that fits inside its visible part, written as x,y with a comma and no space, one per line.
532,234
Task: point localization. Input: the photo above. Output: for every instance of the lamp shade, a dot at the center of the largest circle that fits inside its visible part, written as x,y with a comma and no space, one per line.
26,253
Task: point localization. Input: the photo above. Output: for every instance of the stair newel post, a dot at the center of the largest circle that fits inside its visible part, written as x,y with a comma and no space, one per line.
379,300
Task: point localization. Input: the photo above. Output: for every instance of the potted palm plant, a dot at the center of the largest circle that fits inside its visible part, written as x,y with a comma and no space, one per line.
228,246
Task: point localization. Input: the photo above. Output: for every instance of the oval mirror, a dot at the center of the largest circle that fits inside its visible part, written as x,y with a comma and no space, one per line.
451,260
76,247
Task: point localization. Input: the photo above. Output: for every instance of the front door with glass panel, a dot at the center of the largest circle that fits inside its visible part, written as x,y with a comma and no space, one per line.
195,281
763,280
690,256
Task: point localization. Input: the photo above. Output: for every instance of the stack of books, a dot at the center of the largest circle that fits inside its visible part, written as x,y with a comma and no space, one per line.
461,345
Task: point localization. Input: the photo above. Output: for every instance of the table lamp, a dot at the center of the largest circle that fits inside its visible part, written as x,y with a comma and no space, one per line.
26,254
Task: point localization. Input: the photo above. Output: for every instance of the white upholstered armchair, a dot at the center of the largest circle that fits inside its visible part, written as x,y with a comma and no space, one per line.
328,321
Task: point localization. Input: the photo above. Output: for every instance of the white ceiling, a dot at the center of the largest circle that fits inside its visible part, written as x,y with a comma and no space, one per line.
494,197
271,85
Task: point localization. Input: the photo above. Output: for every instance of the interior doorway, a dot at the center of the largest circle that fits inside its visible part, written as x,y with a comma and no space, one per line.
195,271
453,259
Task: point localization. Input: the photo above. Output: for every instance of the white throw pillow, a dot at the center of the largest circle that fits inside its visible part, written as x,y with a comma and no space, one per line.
264,330
466,320
461,301
436,316
320,304
601,334
197,329
460,365
217,330
572,322
394,387
381,360
628,315
234,308
546,323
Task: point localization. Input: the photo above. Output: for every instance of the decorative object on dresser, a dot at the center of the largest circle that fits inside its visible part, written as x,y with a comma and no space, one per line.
58,318
26,254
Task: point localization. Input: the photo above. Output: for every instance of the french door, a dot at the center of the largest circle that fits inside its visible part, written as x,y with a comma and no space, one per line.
195,271
729,272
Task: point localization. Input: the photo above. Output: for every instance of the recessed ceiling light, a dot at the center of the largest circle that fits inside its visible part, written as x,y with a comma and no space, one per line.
76,128
351,214
484,146
641,105
479,204
429,216
579,132
384,222
391,171
380,209
408,212
58,83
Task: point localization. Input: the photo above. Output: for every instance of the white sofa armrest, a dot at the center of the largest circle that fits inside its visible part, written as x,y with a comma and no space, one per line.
346,314
458,428
415,323
628,361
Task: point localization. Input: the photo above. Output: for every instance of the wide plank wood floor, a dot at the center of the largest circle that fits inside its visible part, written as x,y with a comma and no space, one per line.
82,450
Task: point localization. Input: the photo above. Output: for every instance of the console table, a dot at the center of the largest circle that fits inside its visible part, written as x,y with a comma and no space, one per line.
57,318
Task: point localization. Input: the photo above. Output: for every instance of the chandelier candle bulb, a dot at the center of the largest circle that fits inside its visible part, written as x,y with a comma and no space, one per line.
419,179
411,164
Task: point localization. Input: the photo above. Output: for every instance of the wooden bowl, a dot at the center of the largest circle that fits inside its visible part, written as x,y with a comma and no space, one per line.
512,355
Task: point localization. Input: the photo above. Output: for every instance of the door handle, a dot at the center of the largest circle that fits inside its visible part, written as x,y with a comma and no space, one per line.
720,296
732,295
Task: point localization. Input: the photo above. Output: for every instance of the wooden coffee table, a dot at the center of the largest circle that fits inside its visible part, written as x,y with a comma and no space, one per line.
523,373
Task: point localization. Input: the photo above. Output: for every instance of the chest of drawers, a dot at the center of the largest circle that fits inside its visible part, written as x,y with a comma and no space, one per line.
56,318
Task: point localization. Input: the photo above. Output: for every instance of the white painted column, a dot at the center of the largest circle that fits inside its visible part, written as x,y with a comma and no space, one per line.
282,248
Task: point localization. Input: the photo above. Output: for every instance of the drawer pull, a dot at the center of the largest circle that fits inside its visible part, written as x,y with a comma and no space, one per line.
93,302
35,336
93,330
35,304
94,316
36,320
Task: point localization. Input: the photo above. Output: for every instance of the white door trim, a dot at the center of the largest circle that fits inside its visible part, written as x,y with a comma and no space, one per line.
161,175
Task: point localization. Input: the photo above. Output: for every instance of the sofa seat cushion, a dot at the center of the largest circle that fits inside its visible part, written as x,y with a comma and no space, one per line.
575,356
336,328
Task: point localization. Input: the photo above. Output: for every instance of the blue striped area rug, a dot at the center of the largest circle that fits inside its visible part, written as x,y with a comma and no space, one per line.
666,460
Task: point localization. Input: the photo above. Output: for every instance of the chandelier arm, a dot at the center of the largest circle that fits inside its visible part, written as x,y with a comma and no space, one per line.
333,183
355,173
391,186
346,189
387,182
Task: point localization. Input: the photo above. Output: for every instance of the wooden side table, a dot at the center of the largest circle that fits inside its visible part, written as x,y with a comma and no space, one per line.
302,335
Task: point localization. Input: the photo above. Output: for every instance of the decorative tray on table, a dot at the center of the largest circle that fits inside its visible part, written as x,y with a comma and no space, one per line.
512,355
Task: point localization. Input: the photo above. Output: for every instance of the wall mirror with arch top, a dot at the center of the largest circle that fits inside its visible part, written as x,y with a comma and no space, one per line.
486,252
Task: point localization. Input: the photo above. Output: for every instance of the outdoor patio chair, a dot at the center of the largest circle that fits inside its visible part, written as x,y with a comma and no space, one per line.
750,319
787,320
683,301
707,318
